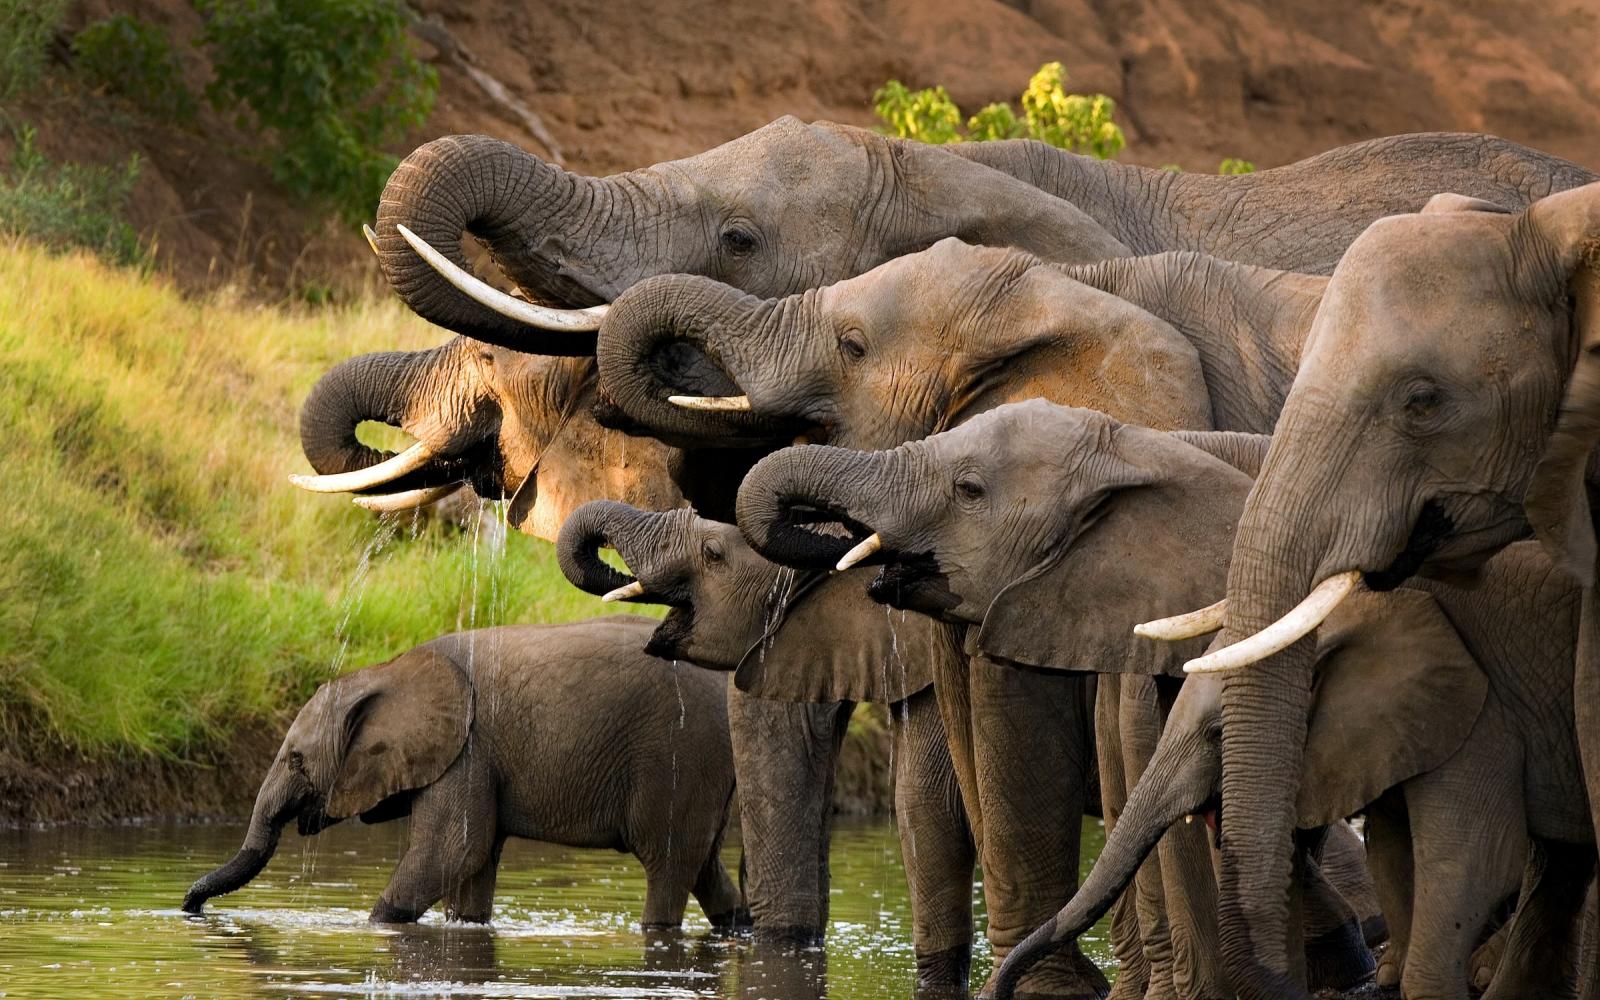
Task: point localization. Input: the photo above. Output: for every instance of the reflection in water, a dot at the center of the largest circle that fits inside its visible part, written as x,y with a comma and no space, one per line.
95,913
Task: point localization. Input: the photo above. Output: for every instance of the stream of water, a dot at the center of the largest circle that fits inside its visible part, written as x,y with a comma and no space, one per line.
93,913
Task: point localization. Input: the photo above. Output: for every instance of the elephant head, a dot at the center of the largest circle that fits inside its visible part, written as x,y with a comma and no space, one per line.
795,637
909,348
1448,399
996,523
359,747
789,206
513,425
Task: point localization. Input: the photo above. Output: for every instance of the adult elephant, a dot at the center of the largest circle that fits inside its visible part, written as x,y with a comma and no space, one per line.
999,524
519,426
794,206
1447,402
734,611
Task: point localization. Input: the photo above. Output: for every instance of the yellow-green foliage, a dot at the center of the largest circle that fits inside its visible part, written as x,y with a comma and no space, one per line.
1233,165
1079,122
160,580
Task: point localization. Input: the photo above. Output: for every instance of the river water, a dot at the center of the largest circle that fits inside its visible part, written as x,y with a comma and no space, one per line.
93,913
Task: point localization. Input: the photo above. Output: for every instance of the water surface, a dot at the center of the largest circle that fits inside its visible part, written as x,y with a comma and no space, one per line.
93,913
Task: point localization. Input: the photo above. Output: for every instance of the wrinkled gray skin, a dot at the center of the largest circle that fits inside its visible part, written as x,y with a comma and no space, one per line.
734,611
1450,714
520,426
794,206
440,733
1448,399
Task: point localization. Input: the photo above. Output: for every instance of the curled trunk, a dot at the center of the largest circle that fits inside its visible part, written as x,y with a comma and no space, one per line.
524,209
811,485
273,808
650,543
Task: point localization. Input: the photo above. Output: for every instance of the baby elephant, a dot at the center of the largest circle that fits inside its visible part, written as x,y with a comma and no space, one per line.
563,733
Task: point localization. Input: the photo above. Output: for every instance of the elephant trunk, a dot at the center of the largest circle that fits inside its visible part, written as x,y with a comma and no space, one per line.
531,214
813,484
1181,776
646,541
275,805
683,336
374,387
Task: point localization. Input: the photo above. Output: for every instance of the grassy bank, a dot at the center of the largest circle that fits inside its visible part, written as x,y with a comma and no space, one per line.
160,581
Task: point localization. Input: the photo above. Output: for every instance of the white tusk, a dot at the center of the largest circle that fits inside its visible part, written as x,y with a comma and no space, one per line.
372,237
406,499
542,317
1284,632
1188,818
387,471
634,589
726,404
1185,626
871,544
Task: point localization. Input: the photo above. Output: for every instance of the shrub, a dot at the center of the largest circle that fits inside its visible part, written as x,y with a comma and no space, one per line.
26,27
330,81
132,58
69,204
1079,122
1231,165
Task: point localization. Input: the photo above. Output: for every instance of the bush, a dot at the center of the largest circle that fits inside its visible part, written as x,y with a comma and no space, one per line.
132,58
69,204
1079,122
331,81
26,27
1231,165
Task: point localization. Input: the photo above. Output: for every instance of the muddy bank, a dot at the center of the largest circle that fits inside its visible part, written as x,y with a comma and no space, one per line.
45,782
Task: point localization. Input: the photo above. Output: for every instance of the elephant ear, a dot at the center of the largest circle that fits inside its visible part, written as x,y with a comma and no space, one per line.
1449,201
1396,695
405,723
1557,502
1159,546
835,644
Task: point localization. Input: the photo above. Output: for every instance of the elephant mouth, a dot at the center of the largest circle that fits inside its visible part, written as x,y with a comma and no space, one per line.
914,583
1432,529
671,639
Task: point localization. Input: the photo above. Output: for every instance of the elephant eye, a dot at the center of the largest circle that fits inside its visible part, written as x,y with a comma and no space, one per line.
738,241
712,552
853,345
297,760
1422,403
969,488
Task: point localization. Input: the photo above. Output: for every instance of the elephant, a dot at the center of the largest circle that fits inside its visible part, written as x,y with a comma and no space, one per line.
1047,529
519,426
733,610
793,206
562,733
1446,405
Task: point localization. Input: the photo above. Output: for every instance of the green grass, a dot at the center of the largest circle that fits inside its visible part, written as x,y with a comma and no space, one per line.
160,581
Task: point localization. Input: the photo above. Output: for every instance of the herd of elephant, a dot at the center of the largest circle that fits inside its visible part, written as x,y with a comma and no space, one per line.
1228,507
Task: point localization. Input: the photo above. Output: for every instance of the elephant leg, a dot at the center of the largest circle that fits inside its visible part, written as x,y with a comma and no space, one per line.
1463,865
1589,953
1389,853
1031,736
1541,954
784,757
452,838
1139,724
935,843
1343,860
472,901
1486,958
716,893
1336,952
1133,971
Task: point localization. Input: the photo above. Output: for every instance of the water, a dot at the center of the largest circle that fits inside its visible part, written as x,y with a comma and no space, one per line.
93,913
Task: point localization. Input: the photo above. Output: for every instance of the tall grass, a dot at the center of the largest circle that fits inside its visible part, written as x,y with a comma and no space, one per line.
160,581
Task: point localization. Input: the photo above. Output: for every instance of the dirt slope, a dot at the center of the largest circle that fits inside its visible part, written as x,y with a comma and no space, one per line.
622,85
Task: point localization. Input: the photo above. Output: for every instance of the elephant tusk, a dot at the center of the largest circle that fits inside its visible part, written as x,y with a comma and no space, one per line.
634,589
372,237
1284,632
406,499
873,543
541,317
1185,626
387,471
717,404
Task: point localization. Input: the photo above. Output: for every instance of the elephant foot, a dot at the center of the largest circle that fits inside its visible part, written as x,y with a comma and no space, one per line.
1391,967
385,912
731,921
944,973
1067,974
788,939
1339,959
